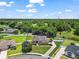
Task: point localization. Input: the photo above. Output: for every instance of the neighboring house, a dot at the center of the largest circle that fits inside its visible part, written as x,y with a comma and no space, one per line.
40,39
6,44
72,51
8,30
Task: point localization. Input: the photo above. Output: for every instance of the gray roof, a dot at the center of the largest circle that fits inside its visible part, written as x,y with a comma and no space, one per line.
74,49
5,43
40,38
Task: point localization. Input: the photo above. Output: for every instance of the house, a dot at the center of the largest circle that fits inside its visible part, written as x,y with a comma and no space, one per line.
8,30
72,51
4,46
40,39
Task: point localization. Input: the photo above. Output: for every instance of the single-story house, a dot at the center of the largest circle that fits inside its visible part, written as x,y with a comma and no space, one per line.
40,39
6,44
8,30
72,51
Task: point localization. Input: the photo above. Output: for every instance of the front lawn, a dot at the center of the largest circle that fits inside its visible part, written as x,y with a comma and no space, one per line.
40,49
18,50
35,49
63,57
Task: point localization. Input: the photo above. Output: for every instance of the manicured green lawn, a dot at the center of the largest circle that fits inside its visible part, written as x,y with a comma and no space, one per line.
68,42
70,36
40,49
63,57
18,38
35,49
18,50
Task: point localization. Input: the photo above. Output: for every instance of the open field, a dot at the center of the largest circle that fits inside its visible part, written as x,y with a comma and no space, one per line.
68,42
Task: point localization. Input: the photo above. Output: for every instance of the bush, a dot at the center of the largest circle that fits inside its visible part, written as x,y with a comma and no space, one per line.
16,32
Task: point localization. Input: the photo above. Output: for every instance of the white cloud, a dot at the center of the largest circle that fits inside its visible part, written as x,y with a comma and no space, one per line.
29,5
32,10
21,10
11,2
41,2
68,10
36,1
7,4
59,12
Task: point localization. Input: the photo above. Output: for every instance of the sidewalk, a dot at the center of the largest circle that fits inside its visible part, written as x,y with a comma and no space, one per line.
50,50
60,53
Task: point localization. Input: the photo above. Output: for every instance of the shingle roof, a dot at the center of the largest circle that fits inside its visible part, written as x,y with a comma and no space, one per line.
74,49
4,44
40,38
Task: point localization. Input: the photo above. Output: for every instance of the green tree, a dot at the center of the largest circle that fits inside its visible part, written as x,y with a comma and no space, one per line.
76,32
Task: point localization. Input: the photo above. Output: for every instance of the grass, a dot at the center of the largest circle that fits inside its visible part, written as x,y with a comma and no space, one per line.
53,53
35,49
56,52
18,50
68,42
70,35
70,38
40,49
63,57
18,38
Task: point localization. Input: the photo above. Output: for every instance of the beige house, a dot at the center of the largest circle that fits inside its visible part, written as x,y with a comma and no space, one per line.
40,39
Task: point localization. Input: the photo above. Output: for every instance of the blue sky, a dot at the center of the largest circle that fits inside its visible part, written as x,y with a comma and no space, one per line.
39,8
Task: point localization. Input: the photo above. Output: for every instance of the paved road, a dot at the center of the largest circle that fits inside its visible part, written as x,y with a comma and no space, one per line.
60,53
50,50
18,35
28,57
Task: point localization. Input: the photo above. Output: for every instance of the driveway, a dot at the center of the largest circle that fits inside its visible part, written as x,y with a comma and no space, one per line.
60,53
50,50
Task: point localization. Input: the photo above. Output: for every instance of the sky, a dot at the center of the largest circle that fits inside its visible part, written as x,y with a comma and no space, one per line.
39,8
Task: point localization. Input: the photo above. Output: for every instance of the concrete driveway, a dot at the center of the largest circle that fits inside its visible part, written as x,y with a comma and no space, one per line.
50,50
60,53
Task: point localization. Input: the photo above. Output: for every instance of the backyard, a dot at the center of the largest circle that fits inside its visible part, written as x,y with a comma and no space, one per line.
17,38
